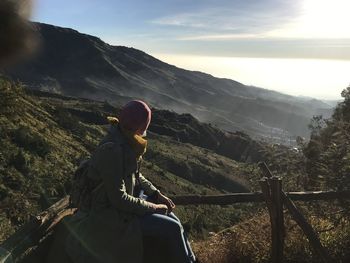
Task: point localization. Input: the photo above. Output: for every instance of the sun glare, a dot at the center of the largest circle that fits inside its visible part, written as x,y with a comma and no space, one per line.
319,19
327,18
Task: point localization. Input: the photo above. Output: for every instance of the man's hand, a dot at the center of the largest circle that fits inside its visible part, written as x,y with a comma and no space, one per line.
162,199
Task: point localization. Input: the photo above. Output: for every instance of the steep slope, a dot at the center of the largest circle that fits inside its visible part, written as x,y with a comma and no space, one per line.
44,136
80,65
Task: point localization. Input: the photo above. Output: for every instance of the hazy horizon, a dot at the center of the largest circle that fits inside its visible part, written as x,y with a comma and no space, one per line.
273,73
259,43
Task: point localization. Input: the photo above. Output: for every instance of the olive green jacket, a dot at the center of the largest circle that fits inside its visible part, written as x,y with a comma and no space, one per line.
109,231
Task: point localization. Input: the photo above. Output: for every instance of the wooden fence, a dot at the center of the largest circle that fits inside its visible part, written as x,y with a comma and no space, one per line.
31,234
275,198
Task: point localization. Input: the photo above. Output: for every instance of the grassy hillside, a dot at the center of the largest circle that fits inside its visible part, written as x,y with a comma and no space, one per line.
37,157
44,136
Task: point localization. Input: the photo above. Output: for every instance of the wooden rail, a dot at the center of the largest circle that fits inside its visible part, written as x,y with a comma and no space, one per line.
275,199
229,199
31,234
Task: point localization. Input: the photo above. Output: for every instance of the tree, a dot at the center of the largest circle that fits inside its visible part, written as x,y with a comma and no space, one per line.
328,152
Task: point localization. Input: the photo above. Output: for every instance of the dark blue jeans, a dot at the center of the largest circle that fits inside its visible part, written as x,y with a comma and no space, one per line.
169,227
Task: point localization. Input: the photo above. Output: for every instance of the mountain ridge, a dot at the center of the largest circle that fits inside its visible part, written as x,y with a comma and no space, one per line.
81,65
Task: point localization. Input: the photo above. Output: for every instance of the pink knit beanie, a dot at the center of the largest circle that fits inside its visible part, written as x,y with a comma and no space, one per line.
135,116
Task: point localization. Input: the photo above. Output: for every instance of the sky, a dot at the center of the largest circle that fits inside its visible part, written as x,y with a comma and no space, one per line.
299,47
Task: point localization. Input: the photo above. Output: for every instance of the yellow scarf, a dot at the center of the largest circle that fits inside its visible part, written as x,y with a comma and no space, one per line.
137,143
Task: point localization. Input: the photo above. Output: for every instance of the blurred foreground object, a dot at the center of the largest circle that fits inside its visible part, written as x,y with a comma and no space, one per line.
17,35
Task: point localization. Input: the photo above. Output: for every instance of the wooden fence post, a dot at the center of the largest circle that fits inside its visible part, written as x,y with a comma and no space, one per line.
307,229
271,189
300,219
277,206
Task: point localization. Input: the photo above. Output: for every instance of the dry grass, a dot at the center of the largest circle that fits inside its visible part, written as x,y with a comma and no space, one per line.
246,242
250,241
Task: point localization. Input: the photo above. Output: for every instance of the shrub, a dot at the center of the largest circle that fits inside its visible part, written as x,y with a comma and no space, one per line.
3,192
10,94
69,122
19,162
30,141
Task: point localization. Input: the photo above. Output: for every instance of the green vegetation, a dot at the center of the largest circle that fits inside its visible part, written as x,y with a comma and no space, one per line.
328,152
321,164
37,157
44,136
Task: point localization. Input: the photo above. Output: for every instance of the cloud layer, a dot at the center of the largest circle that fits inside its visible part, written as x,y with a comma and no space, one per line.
251,28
